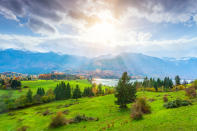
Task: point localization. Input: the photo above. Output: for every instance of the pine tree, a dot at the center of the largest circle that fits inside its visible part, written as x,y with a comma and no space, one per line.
77,92
85,92
125,91
68,91
57,92
156,86
15,84
88,92
63,91
29,96
100,91
40,91
43,91
177,80
185,82
159,82
145,82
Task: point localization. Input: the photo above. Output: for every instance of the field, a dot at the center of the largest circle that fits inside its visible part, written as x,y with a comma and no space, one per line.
46,84
103,107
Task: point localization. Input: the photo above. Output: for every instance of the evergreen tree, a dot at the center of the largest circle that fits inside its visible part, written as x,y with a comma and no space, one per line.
88,92
2,82
156,86
185,82
57,92
168,83
177,80
15,84
159,82
125,91
68,91
40,91
63,91
100,91
77,92
29,96
145,82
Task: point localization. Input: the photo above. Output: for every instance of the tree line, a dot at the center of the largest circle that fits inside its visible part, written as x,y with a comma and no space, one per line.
10,84
158,84
62,91
125,91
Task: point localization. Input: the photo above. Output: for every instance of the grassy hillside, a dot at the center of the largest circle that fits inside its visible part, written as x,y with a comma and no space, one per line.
103,107
46,84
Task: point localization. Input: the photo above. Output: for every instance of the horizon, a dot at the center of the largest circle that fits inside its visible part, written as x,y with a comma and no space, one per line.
94,28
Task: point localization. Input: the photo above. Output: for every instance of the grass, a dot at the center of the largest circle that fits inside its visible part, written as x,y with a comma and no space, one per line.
46,84
110,116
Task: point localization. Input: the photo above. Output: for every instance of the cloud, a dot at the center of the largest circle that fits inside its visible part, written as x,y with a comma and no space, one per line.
156,10
74,45
49,17
59,11
41,27
50,14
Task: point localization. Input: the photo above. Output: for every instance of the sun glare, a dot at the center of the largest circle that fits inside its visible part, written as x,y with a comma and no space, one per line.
104,30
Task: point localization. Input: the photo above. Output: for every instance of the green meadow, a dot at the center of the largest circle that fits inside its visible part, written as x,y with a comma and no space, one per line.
102,107
46,84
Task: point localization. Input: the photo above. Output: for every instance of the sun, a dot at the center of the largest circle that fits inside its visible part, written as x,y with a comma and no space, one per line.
103,31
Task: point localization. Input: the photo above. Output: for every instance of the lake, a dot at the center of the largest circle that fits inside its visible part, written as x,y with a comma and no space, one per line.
114,82
111,82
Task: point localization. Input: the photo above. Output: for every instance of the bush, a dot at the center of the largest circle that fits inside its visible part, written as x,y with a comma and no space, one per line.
80,118
136,113
177,103
150,89
58,120
46,112
190,92
139,108
178,87
23,128
165,98
194,84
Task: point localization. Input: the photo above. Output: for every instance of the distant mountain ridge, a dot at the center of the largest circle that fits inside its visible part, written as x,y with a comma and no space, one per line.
135,64
33,63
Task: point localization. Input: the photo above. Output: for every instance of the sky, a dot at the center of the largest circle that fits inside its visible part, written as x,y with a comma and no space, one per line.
160,28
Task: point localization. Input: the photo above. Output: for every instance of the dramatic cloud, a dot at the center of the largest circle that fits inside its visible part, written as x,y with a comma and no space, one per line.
96,27
75,46
87,10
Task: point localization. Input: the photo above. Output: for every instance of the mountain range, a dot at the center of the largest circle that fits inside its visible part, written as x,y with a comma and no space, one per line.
135,64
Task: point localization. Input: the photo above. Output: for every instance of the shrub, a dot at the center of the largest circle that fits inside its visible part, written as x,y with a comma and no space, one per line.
136,113
151,99
80,118
47,112
190,92
26,87
165,98
58,120
150,89
139,108
22,128
66,112
37,99
177,103
194,84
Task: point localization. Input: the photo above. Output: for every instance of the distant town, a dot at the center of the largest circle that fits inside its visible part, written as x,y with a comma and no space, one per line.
63,75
